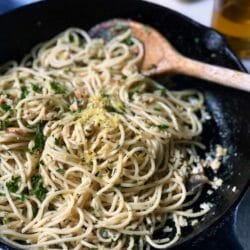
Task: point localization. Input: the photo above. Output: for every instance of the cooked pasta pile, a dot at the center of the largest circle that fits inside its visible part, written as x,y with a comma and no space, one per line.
93,155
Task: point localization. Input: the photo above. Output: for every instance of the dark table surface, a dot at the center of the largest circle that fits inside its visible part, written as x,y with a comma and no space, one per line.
233,231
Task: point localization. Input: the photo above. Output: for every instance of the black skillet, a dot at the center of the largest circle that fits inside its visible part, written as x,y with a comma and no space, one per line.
21,29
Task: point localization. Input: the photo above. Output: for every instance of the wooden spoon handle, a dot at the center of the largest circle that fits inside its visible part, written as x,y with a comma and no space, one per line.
224,76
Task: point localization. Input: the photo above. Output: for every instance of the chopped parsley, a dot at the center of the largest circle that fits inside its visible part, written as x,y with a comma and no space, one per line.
162,126
5,220
185,98
81,42
67,70
104,95
34,210
37,187
2,194
163,92
5,107
36,88
39,138
90,209
71,38
157,109
22,197
136,90
60,170
13,184
58,142
128,41
57,87
130,95
25,92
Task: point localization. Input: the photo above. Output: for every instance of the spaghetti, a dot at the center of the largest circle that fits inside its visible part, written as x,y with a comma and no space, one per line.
93,154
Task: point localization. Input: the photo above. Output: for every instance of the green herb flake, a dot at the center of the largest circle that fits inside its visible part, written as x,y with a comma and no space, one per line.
34,210
135,90
93,57
37,187
162,126
157,109
6,220
67,70
128,41
22,197
60,170
90,209
71,38
162,91
130,96
39,138
58,142
185,98
36,88
104,95
2,194
81,42
13,184
5,107
57,87
25,92
139,88
117,146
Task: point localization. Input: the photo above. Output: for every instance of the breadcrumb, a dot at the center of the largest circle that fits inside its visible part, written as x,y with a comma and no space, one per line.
215,164
209,192
167,229
220,151
216,183
194,222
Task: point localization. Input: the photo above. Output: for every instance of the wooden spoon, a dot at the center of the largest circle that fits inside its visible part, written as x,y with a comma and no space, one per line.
160,57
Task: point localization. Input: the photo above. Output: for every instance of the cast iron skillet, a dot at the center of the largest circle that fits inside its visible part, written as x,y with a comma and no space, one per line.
23,28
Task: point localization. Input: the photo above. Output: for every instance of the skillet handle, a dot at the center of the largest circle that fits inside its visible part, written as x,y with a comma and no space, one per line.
227,77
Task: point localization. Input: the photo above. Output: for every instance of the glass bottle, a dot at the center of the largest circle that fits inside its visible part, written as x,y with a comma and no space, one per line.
232,18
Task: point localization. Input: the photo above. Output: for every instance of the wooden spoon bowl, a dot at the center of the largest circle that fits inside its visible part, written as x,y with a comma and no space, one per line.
160,54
